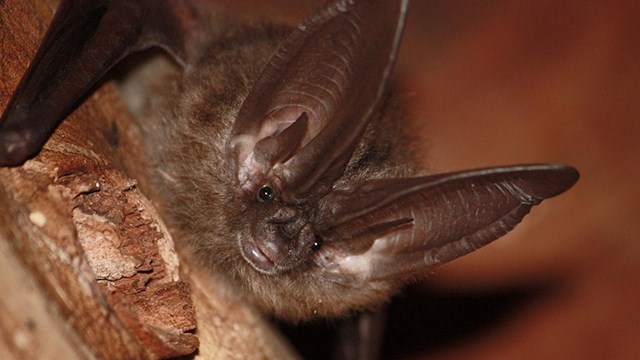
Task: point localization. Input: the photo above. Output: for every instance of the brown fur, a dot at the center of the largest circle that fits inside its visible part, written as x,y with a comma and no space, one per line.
186,119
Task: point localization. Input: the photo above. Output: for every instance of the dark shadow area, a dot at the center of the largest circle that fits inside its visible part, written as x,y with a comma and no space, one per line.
422,321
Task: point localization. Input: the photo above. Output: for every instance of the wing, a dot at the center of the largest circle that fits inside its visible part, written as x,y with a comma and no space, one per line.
85,39
396,228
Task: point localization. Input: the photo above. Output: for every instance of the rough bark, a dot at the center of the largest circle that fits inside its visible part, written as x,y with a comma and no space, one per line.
88,269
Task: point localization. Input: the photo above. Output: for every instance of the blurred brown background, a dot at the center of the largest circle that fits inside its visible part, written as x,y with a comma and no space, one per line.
505,82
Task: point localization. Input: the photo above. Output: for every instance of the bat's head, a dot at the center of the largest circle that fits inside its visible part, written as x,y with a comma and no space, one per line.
298,128
282,233
306,219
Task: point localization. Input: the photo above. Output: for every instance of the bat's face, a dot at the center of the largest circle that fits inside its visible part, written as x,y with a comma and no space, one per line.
281,236
285,263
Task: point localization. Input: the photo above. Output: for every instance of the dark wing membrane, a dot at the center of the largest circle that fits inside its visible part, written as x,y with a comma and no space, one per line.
399,227
85,39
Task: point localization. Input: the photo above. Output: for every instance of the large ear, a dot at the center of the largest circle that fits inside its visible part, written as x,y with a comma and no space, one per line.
396,228
299,126
85,39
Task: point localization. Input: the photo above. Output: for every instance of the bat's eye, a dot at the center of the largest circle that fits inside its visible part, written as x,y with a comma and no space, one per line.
317,243
265,193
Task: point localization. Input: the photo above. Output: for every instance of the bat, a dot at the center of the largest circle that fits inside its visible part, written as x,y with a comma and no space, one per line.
281,155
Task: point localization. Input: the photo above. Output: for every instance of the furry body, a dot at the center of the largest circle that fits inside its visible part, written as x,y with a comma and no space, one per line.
186,118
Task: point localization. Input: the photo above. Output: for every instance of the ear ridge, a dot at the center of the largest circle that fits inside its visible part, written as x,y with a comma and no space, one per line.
334,67
453,214
366,197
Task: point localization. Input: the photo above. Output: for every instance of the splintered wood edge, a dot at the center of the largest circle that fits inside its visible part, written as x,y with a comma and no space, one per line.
90,239
90,255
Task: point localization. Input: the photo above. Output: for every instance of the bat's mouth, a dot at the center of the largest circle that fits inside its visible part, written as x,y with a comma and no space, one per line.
256,257
275,248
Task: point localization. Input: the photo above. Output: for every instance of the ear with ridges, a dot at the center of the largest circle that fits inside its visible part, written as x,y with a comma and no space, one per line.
397,228
333,68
